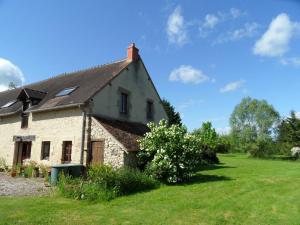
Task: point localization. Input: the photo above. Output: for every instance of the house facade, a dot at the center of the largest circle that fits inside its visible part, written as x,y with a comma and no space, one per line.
91,116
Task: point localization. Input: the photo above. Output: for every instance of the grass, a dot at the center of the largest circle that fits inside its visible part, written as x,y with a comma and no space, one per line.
238,191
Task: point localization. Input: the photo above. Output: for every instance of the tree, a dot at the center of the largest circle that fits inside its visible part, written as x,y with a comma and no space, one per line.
289,132
11,86
253,119
209,141
174,117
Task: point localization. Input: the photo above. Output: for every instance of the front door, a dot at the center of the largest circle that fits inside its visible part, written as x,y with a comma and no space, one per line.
22,152
26,150
97,152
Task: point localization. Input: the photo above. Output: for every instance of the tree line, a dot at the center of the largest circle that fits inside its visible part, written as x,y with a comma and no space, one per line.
256,128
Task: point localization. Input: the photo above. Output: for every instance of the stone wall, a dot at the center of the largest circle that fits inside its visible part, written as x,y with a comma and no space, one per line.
114,152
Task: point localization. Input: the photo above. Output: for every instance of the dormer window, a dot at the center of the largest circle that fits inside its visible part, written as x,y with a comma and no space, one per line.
65,91
10,103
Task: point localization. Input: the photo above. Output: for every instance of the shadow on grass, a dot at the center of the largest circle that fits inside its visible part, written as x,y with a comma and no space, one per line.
203,178
214,167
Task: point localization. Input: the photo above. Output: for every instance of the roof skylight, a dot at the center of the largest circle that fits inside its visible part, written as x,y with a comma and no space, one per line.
8,104
65,91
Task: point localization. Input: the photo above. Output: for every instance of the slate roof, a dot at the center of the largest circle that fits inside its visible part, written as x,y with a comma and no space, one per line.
88,82
127,133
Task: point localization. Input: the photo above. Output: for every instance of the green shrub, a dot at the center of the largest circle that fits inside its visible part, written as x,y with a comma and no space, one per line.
132,180
95,192
104,175
224,144
70,187
105,183
208,141
262,148
28,171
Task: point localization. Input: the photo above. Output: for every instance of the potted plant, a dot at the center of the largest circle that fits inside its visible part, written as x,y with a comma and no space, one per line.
13,173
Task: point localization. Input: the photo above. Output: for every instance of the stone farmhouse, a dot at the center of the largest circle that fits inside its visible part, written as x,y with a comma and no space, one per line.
90,116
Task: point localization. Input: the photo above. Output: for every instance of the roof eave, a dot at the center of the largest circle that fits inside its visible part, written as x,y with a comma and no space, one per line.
56,108
10,113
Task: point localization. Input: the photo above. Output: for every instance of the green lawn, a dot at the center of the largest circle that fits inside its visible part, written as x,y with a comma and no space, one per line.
239,191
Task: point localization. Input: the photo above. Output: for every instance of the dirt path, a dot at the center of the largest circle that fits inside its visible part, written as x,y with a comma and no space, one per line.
10,186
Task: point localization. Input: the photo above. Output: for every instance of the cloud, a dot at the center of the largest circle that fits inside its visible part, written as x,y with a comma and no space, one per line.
247,31
295,61
275,41
176,29
189,103
188,74
210,21
9,73
223,130
236,13
232,86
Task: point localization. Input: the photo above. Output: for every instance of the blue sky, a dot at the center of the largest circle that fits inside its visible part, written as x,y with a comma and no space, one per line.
203,56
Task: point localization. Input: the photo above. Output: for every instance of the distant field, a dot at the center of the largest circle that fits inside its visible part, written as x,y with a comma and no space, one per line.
239,191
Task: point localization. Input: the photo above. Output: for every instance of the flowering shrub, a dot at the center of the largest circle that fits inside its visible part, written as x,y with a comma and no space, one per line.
295,151
170,153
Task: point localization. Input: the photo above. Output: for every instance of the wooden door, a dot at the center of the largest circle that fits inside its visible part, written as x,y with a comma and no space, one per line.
97,152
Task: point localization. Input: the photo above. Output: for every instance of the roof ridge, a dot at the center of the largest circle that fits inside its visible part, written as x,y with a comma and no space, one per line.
83,70
66,74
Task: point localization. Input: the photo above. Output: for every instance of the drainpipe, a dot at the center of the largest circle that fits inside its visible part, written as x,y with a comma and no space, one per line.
89,147
83,136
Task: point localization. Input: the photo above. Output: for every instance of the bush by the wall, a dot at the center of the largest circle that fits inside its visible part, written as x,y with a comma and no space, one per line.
105,183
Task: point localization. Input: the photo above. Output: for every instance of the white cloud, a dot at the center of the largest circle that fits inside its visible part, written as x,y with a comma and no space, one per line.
176,29
223,130
232,86
210,21
189,103
9,73
188,74
236,13
290,61
275,41
247,31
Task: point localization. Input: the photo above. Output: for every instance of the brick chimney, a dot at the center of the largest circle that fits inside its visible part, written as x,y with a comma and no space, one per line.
132,53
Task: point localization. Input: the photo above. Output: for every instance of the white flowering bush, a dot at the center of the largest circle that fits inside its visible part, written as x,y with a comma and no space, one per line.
169,153
295,151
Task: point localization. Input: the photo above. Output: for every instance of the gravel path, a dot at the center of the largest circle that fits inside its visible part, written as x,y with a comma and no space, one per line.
11,186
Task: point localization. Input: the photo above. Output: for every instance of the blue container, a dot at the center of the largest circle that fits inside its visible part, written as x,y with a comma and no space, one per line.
74,170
